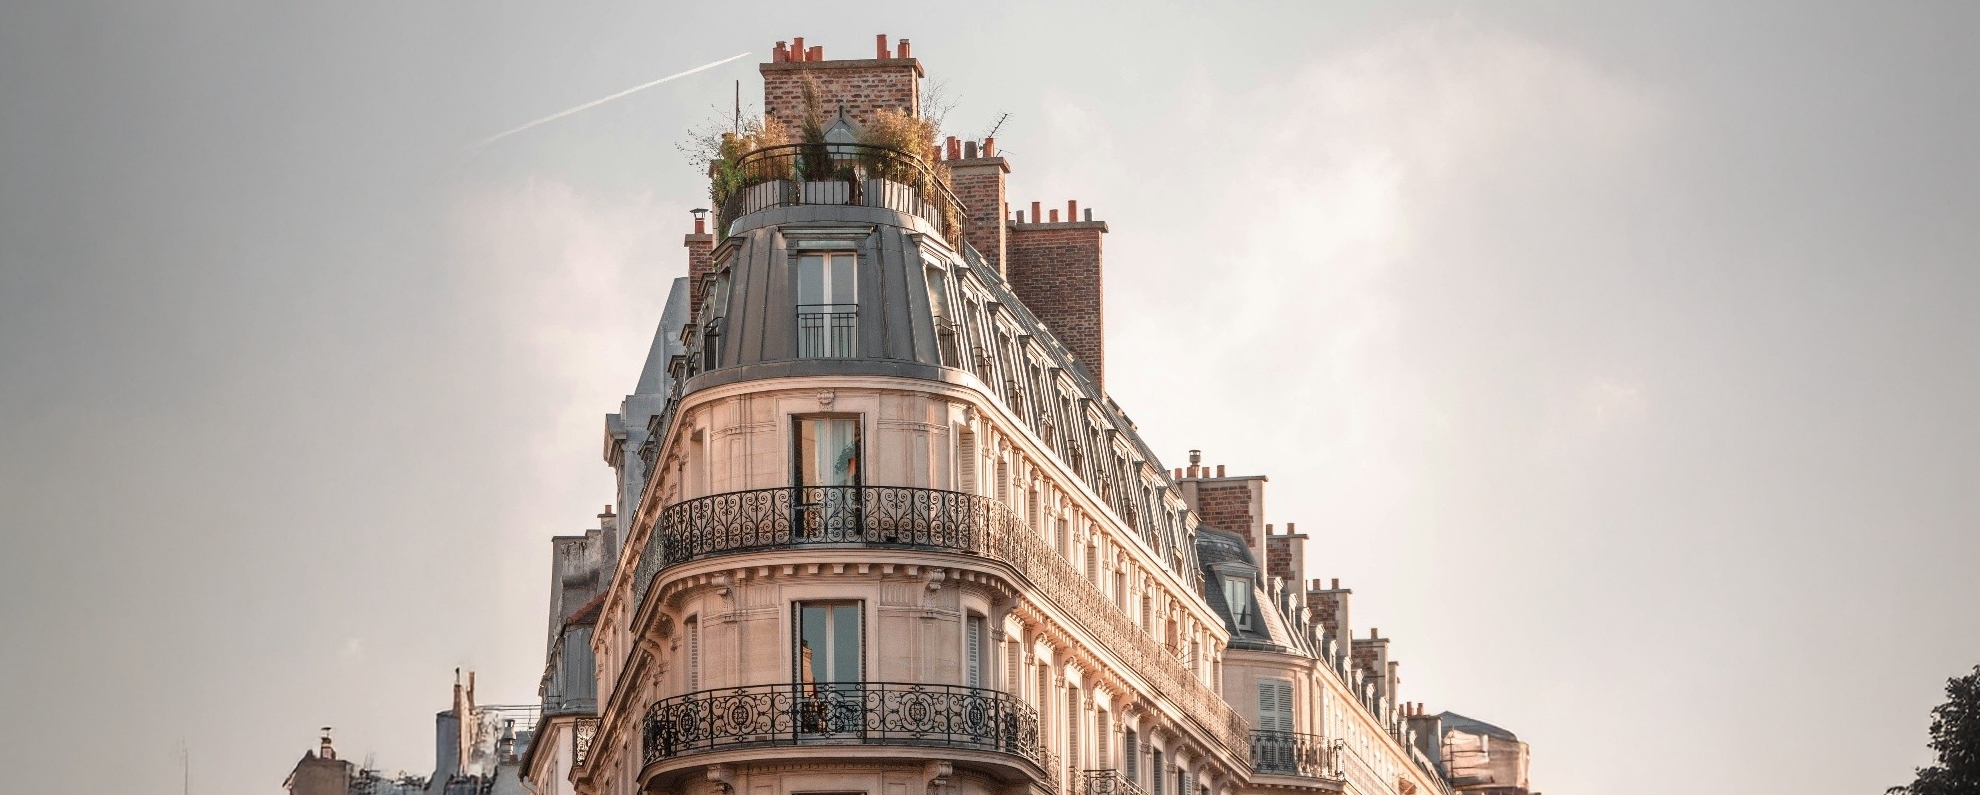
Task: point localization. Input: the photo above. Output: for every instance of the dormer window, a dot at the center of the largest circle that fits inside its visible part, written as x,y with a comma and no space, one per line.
828,305
1237,594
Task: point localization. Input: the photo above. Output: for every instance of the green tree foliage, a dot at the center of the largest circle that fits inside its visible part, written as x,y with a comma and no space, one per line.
1956,738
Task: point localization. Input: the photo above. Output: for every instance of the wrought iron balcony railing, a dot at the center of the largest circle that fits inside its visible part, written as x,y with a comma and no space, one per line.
1293,754
846,713
929,519
1107,782
828,331
845,174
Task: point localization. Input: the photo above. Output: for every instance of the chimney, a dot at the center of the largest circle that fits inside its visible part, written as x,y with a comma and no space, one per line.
880,47
978,180
701,259
1285,555
1055,269
903,50
324,751
862,87
1329,609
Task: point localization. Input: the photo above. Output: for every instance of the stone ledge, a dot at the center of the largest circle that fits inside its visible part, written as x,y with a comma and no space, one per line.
868,63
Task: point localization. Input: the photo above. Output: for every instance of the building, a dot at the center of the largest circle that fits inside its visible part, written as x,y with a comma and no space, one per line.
880,529
476,751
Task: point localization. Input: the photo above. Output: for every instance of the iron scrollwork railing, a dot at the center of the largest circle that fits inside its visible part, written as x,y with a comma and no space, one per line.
1107,782
582,733
1294,754
852,713
920,518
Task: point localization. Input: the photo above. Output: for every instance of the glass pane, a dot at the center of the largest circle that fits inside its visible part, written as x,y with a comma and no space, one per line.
811,279
845,644
811,643
828,452
842,273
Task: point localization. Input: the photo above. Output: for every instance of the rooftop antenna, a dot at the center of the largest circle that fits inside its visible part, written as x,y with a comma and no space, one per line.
998,126
738,107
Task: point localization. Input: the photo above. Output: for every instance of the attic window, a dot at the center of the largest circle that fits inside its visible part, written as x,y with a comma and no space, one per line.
1237,594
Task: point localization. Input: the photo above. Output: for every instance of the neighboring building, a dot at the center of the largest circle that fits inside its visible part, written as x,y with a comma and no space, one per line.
476,752
881,530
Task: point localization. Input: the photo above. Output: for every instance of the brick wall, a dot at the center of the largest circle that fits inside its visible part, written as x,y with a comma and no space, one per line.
1371,658
979,184
1227,505
863,88
701,248
1055,270
1279,558
1330,610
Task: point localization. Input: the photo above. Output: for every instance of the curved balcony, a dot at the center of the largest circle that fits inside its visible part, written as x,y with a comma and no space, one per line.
762,519
904,517
849,713
845,174
1294,754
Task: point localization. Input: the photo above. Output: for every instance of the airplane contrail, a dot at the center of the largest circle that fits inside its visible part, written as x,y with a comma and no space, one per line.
473,147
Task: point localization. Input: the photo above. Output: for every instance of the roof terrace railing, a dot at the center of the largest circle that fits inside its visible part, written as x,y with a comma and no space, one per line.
861,175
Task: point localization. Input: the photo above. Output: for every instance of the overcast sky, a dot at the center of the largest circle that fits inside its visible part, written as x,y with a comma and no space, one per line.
1623,359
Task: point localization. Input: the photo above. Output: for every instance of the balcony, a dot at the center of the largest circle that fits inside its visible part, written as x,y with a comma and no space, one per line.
910,518
828,331
857,713
1107,782
842,174
1293,754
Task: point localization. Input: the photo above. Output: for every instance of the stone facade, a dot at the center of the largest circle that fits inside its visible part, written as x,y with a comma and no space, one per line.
909,546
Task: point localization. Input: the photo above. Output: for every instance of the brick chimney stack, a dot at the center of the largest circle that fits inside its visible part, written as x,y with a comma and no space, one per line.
1329,608
862,87
701,249
1055,269
979,179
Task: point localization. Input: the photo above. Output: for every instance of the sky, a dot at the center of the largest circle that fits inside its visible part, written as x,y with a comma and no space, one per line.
1621,357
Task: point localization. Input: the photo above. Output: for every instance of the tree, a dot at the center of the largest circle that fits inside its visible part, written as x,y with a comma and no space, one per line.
1956,738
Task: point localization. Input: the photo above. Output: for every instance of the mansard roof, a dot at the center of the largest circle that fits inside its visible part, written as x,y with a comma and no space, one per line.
666,341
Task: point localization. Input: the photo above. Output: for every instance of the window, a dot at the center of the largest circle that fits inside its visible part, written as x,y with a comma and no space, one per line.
827,451
1103,728
1121,588
1072,728
946,343
966,459
828,306
1131,756
829,642
1275,705
1158,772
1013,665
692,629
973,650
1237,594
